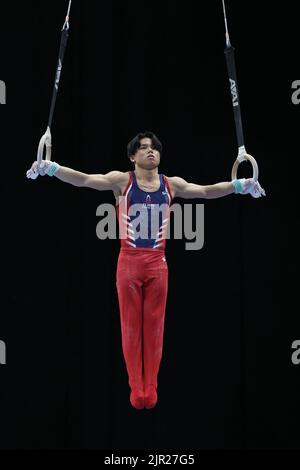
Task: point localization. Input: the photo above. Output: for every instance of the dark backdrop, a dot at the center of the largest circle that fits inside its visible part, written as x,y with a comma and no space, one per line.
226,379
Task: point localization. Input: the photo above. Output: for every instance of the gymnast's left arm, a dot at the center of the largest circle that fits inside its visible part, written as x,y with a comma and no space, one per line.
185,190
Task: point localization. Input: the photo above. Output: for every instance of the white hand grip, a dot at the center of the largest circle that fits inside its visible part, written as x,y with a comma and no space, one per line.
32,174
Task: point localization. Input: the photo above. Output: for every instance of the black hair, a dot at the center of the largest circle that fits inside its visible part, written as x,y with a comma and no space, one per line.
135,143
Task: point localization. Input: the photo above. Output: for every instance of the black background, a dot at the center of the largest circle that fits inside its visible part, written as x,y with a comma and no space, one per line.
226,379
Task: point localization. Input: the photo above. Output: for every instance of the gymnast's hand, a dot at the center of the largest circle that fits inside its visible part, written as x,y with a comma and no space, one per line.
254,188
249,186
41,170
33,173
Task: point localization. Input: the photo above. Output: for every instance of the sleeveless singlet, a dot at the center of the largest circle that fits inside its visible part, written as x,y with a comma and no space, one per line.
144,216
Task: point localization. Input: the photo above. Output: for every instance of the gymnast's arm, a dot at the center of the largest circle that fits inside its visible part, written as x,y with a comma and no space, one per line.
181,188
110,181
185,190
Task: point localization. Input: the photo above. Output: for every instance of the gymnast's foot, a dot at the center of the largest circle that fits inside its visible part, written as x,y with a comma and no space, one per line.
137,399
150,397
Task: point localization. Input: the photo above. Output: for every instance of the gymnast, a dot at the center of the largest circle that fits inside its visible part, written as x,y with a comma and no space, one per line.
142,271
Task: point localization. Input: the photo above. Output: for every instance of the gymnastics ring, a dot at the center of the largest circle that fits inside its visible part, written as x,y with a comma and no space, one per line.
242,157
44,142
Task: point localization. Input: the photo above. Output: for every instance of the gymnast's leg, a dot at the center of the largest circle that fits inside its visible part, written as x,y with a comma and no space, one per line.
129,287
155,297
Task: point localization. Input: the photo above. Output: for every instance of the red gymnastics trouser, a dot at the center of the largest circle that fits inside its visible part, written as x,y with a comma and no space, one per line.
142,284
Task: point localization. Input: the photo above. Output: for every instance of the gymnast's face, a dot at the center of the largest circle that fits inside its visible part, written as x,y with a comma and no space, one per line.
146,156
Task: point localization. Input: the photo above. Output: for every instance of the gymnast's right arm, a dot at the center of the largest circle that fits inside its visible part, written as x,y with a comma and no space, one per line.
110,181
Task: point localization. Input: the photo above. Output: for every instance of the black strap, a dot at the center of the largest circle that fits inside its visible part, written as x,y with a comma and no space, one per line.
62,50
230,60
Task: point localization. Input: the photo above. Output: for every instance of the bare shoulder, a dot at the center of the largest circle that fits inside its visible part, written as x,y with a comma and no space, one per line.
176,183
176,180
119,181
117,177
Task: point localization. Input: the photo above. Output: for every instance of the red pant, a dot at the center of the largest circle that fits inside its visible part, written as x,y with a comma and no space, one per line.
142,284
